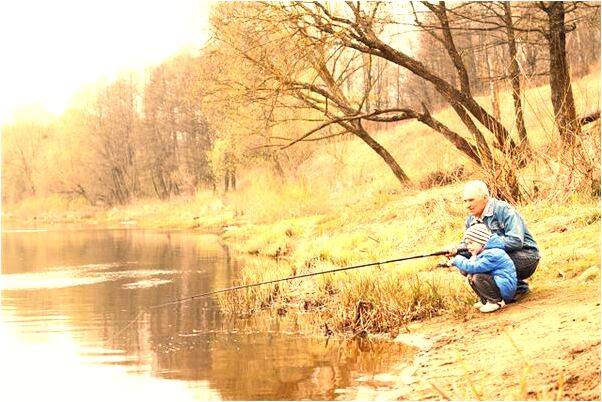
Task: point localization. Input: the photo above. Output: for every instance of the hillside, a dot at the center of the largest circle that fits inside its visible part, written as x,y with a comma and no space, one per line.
545,348
343,207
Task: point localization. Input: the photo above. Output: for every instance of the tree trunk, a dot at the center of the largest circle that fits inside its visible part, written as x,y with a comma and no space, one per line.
450,93
494,93
477,154
367,67
525,149
560,80
359,131
440,12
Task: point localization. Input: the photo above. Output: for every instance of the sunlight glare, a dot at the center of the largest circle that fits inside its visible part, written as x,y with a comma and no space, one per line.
50,49
53,369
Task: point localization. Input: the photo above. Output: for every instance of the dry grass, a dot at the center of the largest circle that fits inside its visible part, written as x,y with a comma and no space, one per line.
201,211
345,208
246,302
265,198
383,298
368,217
54,208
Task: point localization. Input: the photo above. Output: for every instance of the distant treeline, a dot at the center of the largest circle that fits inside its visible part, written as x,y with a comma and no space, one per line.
278,78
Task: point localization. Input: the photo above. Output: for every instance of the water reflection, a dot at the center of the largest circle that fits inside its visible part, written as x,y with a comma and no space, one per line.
76,304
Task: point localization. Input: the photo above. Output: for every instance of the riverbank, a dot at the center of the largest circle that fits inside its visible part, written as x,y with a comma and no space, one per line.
545,347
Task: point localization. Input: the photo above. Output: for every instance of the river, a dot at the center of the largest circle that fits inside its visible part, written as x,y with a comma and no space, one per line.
77,323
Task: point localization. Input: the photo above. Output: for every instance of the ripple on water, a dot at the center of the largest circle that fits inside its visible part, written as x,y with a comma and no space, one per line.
146,283
90,274
46,280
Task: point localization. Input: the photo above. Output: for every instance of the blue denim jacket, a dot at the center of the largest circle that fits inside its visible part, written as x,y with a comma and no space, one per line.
508,224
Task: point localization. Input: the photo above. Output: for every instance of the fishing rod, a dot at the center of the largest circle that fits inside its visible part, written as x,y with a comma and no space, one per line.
251,285
233,288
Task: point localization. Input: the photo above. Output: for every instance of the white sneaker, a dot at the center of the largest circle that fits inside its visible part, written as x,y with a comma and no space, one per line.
478,304
490,307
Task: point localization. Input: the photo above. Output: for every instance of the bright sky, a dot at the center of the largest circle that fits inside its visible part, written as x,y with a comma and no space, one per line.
49,49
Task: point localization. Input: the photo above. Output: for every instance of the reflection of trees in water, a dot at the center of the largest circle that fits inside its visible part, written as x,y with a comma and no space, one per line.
271,365
257,358
107,310
274,366
294,368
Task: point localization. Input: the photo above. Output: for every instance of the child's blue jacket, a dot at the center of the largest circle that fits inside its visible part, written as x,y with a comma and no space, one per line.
494,261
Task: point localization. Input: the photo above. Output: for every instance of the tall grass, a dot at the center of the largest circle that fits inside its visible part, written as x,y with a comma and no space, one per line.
53,208
245,302
371,299
268,198
345,207
361,214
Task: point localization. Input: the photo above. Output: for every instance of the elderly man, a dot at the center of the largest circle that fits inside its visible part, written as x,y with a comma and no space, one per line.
508,224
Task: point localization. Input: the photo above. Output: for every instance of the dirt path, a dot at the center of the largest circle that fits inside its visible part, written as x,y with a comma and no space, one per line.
546,347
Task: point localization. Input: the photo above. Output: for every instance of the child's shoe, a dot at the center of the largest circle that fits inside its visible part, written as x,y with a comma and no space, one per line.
478,304
490,307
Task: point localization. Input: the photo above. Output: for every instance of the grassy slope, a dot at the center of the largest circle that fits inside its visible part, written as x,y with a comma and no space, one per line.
347,208
369,218
528,351
396,225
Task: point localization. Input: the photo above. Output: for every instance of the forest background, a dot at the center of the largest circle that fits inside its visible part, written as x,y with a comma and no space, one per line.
325,98
331,134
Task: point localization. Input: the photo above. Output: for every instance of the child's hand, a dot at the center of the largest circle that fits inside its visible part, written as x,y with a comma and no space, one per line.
452,250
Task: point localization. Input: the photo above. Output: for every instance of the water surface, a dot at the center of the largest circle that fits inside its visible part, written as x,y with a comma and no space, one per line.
76,324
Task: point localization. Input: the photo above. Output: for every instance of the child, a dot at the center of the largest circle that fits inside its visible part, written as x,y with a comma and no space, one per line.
490,271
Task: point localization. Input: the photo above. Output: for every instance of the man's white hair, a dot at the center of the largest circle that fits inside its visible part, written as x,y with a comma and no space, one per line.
477,186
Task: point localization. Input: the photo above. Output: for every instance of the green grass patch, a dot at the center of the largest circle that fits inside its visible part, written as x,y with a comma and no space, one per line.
381,299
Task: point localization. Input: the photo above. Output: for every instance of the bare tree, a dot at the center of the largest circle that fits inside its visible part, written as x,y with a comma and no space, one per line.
365,28
246,118
176,138
515,78
23,143
160,133
113,123
360,29
302,73
560,78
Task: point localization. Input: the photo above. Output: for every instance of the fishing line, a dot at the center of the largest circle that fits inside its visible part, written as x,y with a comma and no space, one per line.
251,285
214,292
